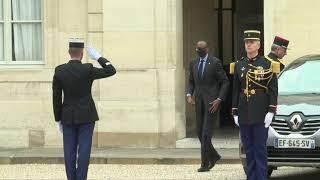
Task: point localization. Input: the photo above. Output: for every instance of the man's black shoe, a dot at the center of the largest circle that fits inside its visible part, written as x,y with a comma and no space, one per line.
203,169
213,163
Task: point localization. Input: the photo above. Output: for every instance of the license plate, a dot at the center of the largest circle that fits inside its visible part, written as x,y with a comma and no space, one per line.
295,143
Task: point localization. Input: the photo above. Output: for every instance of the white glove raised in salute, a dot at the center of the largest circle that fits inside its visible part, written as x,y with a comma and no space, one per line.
93,54
268,119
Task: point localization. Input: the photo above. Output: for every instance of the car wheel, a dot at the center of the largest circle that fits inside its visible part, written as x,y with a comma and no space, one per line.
245,170
270,170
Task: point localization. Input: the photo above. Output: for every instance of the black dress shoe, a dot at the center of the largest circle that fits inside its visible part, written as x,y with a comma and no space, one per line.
203,169
213,162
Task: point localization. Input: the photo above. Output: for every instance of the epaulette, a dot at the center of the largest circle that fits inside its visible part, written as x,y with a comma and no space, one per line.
232,65
274,65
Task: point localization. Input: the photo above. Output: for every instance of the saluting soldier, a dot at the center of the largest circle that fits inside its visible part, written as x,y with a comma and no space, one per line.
75,112
255,90
278,50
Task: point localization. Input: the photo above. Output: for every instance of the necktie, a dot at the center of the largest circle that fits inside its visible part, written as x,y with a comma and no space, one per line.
200,68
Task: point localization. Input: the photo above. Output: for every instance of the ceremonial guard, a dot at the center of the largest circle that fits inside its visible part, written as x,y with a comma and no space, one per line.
278,50
255,90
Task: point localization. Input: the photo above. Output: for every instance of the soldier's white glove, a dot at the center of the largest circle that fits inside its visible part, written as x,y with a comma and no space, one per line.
93,54
60,127
236,120
268,119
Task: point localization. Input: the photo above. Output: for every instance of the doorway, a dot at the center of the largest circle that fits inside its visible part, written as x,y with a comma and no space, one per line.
221,23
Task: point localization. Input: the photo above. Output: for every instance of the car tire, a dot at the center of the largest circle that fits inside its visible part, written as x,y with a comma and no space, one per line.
270,170
245,170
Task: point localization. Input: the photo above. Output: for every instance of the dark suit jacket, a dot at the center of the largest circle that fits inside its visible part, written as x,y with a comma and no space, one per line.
75,80
214,83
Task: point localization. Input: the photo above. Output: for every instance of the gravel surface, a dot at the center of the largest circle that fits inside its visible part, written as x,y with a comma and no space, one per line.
119,172
148,172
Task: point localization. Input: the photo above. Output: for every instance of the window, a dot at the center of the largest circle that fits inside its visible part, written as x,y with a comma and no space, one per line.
20,32
1,31
300,79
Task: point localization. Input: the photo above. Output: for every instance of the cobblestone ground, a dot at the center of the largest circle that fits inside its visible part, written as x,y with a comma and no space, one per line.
148,172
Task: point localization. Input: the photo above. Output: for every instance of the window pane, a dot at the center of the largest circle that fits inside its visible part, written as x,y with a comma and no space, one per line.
1,9
27,42
227,4
309,82
1,42
227,37
26,9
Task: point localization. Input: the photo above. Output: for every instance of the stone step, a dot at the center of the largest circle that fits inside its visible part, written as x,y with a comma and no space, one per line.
115,156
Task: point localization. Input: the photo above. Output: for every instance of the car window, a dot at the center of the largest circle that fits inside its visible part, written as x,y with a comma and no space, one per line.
302,79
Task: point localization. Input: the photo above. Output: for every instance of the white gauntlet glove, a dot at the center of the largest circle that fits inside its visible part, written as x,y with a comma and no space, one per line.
268,119
236,120
60,127
93,54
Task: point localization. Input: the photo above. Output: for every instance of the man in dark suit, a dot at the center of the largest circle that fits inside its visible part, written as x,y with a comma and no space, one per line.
76,115
209,84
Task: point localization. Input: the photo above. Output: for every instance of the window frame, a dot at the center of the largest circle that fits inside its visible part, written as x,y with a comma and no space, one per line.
7,33
2,23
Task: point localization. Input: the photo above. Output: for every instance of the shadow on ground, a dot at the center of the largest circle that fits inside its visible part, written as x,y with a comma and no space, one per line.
310,174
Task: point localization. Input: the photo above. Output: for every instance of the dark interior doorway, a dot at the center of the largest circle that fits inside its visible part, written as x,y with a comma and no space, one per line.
221,23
